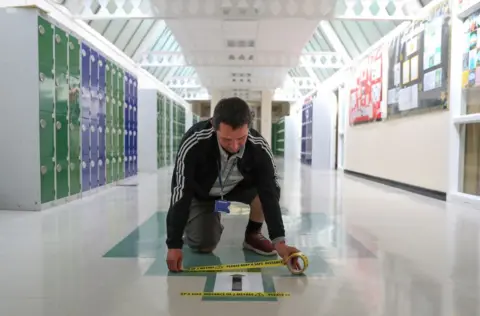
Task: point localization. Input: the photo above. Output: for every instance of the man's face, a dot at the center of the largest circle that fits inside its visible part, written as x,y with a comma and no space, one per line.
232,139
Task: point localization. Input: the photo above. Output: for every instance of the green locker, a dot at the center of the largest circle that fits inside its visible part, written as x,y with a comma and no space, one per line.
47,156
115,110
121,125
46,104
108,153
115,141
114,168
45,63
121,166
61,111
61,149
121,101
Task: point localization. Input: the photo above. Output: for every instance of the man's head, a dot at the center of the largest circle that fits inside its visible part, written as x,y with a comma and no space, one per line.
231,120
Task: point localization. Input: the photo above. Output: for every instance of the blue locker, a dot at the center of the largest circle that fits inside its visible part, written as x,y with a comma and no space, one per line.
135,133
94,84
85,173
135,125
93,153
102,171
85,153
102,112
85,97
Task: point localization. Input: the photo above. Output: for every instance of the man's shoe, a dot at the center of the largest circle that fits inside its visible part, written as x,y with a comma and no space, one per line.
258,243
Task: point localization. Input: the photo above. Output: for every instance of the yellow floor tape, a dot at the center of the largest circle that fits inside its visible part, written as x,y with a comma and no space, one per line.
294,258
236,294
293,264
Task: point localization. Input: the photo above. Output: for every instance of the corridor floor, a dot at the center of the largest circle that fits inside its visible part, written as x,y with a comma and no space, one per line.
373,250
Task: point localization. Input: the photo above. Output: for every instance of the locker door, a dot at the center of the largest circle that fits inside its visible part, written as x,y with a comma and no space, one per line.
61,129
108,153
126,97
121,97
85,154
45,65
74,117
94,85
101,153
115,95
101,171
121,167
108,170
61,72
135,162
93,153
114,168
108,92
61,111
47,156
86,98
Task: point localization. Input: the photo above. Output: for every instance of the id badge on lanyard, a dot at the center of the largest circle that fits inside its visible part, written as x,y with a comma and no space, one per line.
222,205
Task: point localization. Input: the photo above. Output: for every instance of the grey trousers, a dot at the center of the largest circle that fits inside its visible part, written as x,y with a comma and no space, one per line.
204,228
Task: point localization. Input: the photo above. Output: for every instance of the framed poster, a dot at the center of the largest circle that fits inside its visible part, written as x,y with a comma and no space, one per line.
366,94
419,63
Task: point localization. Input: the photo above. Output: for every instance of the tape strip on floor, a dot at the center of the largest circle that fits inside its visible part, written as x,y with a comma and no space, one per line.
237,294
293,265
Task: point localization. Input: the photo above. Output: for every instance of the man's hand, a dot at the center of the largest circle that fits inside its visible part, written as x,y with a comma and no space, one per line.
285,251
174,260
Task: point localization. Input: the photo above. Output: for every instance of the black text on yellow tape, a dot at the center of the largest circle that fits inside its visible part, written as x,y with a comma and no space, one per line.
296,257
237,294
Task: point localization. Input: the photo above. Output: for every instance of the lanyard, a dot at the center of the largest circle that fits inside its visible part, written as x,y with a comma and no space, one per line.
220,175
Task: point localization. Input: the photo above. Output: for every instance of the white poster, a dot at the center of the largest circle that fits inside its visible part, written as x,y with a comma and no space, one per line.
432,55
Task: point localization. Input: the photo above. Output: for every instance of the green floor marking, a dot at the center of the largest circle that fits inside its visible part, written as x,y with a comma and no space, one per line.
148,241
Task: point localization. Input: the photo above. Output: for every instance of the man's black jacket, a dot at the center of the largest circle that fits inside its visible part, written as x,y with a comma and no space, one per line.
196,171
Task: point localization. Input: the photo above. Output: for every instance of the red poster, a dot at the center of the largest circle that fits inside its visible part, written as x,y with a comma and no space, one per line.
367,88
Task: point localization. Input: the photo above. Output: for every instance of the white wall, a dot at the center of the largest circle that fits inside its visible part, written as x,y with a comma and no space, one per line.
324,138
411,150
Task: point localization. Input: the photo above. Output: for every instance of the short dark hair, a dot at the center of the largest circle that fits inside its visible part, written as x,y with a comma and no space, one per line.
234,112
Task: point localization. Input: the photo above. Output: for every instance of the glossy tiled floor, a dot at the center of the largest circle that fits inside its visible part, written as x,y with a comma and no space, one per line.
373,250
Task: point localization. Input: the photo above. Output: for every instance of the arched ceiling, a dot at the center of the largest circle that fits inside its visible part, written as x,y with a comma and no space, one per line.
243,46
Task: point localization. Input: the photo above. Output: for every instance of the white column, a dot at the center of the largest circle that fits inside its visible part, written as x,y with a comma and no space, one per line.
147,128
215,97
266,115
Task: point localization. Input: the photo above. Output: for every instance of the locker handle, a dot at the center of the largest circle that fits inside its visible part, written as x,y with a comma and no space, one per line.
42,77
71,126
58,39
59,168
43,170
71,46
58,125
41,29
72,166
43,123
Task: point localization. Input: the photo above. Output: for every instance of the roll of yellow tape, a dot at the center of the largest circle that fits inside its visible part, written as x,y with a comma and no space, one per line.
297,263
